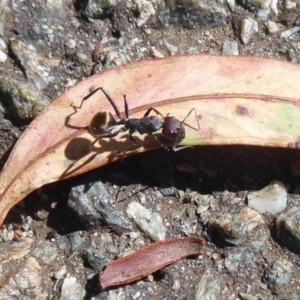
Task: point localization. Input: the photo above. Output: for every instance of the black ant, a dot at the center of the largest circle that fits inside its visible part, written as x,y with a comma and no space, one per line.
104,122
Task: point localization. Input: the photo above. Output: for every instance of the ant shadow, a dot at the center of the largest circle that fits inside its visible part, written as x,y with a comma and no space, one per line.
78,148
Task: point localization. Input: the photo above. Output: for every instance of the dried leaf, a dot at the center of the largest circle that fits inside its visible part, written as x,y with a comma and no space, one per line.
240,100
148,260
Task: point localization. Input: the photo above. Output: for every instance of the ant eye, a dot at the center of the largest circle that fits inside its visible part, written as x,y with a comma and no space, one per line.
102,123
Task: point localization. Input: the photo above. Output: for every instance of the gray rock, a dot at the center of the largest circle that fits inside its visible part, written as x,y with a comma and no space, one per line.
94,204
45,251
186,215
279,273
7,235
287,226
192,13
263,7
36,67
168,191
243,255
230,48
63,243
245,296
99,9
206,289
76,240
95,258
288,33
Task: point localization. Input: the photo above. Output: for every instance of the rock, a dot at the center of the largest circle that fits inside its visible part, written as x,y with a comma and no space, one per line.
230,48
287,226
248,28
36,66
3,56
288,33
207,288
20,99
272,26
186,215
60,273
193,13
71,289
144,10
4,13
243,255
14,250
76,240
149,222
45,251
279,273
24,282
234,227
245,296
96,205
271,199
95,258
99,9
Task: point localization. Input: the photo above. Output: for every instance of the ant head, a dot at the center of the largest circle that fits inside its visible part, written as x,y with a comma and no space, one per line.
102,122
173,129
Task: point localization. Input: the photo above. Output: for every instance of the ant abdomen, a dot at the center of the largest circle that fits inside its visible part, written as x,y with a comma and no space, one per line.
102,123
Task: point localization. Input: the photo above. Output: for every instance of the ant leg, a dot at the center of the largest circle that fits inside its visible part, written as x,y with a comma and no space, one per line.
133,143
194,109
156,138
155,110
108,135
126,107
112,102
174,148
76,108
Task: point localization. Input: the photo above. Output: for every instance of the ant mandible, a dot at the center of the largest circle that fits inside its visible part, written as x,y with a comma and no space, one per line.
104,122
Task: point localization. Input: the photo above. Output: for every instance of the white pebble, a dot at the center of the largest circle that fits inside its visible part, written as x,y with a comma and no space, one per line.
271,199
71,289
3,56
3,44
230,48
149,222
248,28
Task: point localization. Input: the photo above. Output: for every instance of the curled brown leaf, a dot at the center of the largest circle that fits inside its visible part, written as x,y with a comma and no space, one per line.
148,260
239,100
